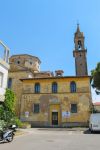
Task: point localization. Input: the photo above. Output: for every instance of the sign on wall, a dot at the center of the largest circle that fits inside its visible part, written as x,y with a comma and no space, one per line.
54,100
65,114
26,114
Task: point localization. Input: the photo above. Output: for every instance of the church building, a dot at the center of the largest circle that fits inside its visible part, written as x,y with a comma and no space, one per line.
51,99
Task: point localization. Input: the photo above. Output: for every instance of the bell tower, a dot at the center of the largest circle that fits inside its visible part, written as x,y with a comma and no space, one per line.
80,53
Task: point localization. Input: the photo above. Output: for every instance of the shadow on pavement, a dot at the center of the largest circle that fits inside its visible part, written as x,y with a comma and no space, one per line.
2,142
89,132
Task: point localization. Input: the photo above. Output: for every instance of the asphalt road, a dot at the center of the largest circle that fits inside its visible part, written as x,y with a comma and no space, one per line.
35,139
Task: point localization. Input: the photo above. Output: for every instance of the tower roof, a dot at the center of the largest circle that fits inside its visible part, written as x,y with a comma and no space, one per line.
78,33
78,28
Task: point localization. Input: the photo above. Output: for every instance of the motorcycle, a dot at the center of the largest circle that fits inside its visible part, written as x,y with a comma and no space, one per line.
7,135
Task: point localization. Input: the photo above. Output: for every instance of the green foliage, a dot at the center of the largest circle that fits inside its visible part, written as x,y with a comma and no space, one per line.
7,108
1,112
21,124
95,79
7,112
2,124
18,123
9,103
24,125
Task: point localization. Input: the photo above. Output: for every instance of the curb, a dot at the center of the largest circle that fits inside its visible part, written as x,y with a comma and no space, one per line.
63,129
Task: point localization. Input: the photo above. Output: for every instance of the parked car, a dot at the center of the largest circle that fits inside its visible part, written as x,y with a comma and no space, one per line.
94,122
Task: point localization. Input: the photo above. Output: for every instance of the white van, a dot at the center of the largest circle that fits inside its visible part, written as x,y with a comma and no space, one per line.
94,122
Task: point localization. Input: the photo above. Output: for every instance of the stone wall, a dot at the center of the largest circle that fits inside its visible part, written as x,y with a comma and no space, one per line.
21,62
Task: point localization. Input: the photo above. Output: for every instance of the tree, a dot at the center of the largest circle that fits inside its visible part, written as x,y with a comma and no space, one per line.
95,79
1,112
9,106
7,111
9,103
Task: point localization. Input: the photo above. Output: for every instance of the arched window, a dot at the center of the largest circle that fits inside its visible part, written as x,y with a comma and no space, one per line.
72,87
37,88
54,87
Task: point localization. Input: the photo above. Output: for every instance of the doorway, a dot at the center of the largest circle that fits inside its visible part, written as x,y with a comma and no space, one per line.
54,118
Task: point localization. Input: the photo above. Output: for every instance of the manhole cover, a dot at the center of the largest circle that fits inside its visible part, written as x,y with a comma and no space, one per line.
50,141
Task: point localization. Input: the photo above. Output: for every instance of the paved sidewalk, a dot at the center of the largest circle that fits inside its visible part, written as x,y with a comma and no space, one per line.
37,130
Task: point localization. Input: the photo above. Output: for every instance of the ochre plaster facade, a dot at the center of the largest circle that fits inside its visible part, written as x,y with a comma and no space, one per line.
56,102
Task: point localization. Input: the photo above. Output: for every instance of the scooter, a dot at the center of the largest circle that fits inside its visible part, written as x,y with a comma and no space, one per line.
7,135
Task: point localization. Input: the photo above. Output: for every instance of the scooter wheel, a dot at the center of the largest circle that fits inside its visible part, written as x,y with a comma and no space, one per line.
10,138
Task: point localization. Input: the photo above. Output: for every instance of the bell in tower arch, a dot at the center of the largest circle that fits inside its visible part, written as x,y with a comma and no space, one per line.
79,45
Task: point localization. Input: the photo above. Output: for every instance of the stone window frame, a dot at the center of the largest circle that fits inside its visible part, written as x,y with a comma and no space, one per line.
37,88
36,108
75,109
54,87
18,61
73,87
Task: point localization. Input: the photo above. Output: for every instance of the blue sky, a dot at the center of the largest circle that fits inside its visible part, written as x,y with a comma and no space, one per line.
45,28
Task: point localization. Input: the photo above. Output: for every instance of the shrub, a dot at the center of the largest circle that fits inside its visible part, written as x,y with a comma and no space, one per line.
18,122
25,125
2,125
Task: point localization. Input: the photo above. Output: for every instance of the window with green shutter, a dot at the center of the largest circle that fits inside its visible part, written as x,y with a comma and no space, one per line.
36,108
73,108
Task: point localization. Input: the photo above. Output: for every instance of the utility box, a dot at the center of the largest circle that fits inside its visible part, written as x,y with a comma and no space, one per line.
94,122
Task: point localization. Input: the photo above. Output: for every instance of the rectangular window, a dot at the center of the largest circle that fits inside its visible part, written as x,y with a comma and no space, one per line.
9,83
36,108
1,79
73,108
